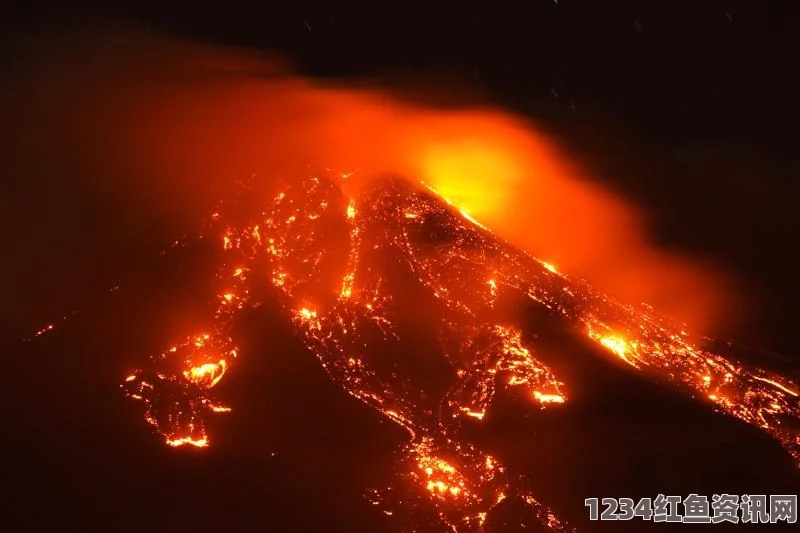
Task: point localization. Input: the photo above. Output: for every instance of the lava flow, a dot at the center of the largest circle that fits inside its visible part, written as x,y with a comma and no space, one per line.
332,256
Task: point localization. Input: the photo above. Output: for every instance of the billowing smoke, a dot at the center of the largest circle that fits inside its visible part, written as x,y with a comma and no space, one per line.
164,128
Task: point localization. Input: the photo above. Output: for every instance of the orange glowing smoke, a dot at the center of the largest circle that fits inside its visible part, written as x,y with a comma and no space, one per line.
510,177
186,121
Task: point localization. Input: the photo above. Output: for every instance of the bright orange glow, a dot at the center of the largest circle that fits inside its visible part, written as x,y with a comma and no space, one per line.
206,375
500,171
459,169
48,328
440,477
200,340
466,215
548,398
550,267
199,443
780,386
347,285
474,414
619,346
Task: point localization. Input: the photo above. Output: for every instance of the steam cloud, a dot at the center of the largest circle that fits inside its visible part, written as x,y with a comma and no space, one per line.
165,128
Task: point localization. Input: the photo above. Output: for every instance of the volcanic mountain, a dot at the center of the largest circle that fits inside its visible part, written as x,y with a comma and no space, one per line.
453,335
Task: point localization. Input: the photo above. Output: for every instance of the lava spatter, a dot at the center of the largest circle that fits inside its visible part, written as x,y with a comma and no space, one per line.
326,254
175,388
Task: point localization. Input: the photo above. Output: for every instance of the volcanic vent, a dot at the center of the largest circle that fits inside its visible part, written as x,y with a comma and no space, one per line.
357,273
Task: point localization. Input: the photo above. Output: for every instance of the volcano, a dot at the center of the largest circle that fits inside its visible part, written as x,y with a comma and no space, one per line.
455,337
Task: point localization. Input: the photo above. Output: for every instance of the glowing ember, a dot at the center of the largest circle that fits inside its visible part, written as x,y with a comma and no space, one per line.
200,443
206,375
466,215
548,398
462,268
307,314
549,267
618,345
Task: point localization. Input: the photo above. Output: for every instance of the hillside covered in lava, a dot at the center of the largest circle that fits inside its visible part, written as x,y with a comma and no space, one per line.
422,314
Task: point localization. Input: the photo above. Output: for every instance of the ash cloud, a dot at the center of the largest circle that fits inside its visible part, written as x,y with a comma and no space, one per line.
120,136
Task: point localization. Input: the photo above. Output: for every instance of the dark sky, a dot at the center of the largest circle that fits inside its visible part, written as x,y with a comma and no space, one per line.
678,70
681,71
689,109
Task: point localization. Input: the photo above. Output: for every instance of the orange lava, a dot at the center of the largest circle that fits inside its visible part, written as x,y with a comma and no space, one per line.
290,245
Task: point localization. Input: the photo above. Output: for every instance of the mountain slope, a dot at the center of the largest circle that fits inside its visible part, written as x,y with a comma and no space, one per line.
412,307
